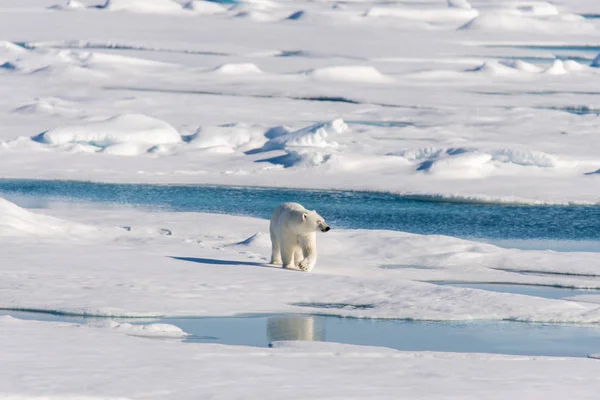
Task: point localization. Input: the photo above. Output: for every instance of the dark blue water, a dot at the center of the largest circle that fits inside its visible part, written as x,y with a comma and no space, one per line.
342,209
468,337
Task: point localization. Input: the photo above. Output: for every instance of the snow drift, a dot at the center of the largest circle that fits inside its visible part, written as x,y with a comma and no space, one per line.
348,74
137,131
143,6
316,135
16,221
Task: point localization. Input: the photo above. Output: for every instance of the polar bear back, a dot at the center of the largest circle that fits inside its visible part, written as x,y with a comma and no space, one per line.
292,211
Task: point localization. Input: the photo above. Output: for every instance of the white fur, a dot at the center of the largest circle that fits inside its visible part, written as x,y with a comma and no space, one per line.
294,236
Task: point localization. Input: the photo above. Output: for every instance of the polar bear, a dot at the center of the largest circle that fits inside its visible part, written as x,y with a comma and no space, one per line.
294,236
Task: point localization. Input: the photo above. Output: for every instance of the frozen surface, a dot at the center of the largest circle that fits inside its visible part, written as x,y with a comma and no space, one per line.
493,337
138,263
69,361
482,101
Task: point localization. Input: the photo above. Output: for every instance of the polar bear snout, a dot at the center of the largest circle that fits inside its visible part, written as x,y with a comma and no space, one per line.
325,229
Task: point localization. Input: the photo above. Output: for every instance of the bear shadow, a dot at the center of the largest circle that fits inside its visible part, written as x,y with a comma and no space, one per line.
213,261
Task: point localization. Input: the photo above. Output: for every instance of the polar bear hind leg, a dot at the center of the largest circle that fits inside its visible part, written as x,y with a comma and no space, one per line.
275,249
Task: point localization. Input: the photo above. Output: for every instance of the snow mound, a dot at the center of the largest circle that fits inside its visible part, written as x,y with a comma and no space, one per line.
70,5
228,138
307,147
460,4
525,158
238,69
517,67
538,9
142,6
48,106
16,221
348,74
574,66
316,135
465,165
511,21
204,7
557,68
450,14
470,162
258,239
493,68
127,129
9,51
306,158
149,330
521,66
254,15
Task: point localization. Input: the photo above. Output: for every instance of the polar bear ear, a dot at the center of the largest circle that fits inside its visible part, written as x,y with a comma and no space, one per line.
304,216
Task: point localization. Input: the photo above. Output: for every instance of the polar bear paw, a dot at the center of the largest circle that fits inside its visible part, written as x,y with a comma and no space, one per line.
304,265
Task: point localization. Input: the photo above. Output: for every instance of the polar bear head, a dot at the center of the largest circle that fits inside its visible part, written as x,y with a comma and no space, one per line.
312,222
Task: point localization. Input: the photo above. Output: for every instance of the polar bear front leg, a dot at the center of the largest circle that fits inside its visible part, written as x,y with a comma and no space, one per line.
298,255
308,243
288,247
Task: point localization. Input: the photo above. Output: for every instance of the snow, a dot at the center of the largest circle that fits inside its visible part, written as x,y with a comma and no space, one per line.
486,101
227,138
69,5
311,136
450,14
204,267
68,361
531,19
141,271
237,69
143,6
121,134
204,7
18,222
482,89
153,330
348,73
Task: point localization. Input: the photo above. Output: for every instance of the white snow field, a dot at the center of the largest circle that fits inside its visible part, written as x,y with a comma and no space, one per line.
468,101
193,264
128,262
489,100
72,362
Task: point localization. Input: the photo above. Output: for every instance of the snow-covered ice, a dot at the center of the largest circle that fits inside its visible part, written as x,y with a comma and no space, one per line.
140,271
472,101
203,267
486,76
66,361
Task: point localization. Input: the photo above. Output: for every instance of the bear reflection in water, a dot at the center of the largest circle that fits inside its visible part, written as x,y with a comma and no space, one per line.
290,327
